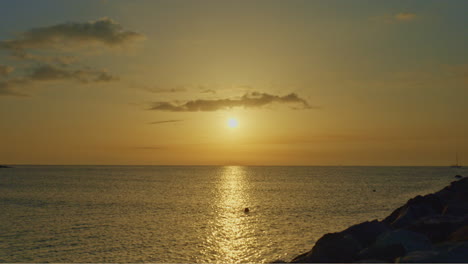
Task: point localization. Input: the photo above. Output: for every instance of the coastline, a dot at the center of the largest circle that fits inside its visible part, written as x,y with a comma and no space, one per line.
429,228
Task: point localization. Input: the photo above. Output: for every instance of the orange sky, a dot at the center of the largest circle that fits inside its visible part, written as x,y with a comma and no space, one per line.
309,82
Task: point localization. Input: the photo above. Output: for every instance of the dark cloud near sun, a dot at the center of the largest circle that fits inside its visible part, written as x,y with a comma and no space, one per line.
248,100
166,121
104,31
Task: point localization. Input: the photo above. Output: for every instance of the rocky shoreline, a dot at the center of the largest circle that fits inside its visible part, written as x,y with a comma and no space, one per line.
430,228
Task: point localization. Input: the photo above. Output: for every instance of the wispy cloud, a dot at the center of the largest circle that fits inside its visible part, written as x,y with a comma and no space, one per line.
210,91
166,90
52,73
249,100
104,31
49,73
8,88
166,121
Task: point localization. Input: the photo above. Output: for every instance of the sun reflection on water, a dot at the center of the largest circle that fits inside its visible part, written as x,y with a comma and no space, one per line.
233,230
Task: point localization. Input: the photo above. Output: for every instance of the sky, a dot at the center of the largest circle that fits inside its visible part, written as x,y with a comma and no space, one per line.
309,82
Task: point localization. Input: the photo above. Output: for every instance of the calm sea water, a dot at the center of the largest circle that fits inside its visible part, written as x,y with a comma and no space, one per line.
193,214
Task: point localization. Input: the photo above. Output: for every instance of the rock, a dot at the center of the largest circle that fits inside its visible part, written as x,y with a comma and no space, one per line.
332,247
300,258
458,176
446,253
4,167
278,261
457,191
437,228
461,234
367,232
406,234
411,241
456,209
348,242
418,257
386,254
371,261
418,207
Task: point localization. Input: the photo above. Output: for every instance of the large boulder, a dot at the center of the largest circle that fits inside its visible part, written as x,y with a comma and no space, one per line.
430,228
461,234
438,227
386,253
332,248
456,192
445,253
410,241
348,243
367,232
414,209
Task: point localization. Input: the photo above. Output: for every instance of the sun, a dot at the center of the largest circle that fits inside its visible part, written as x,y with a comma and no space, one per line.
232,123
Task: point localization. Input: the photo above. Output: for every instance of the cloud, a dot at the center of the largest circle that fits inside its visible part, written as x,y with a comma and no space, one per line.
248,100
44,53
104,31
52,73
5,70
166,90
166,121
8,88
405,16
45,73
211,91
62,59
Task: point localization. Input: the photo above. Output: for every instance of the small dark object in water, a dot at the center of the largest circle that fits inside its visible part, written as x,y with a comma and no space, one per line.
374,190
458,176
246,210
4,167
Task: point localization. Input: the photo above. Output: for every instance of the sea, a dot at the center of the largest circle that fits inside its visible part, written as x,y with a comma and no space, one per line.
193,214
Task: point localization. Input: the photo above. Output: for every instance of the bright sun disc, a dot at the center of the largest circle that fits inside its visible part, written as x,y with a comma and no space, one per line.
232,122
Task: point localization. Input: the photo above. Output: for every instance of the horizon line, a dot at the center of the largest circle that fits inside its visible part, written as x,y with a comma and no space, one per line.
221,165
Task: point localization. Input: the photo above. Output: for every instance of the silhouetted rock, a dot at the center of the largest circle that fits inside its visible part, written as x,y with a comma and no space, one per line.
382,253
430,228
446,253
415,208
461,234
367,232
410,240
438,227
4,167
458,176
326,248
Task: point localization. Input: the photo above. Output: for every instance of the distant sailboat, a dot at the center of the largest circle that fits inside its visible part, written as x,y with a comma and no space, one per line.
456,165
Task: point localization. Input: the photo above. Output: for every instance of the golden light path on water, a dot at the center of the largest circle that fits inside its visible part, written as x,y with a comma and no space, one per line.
233,230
